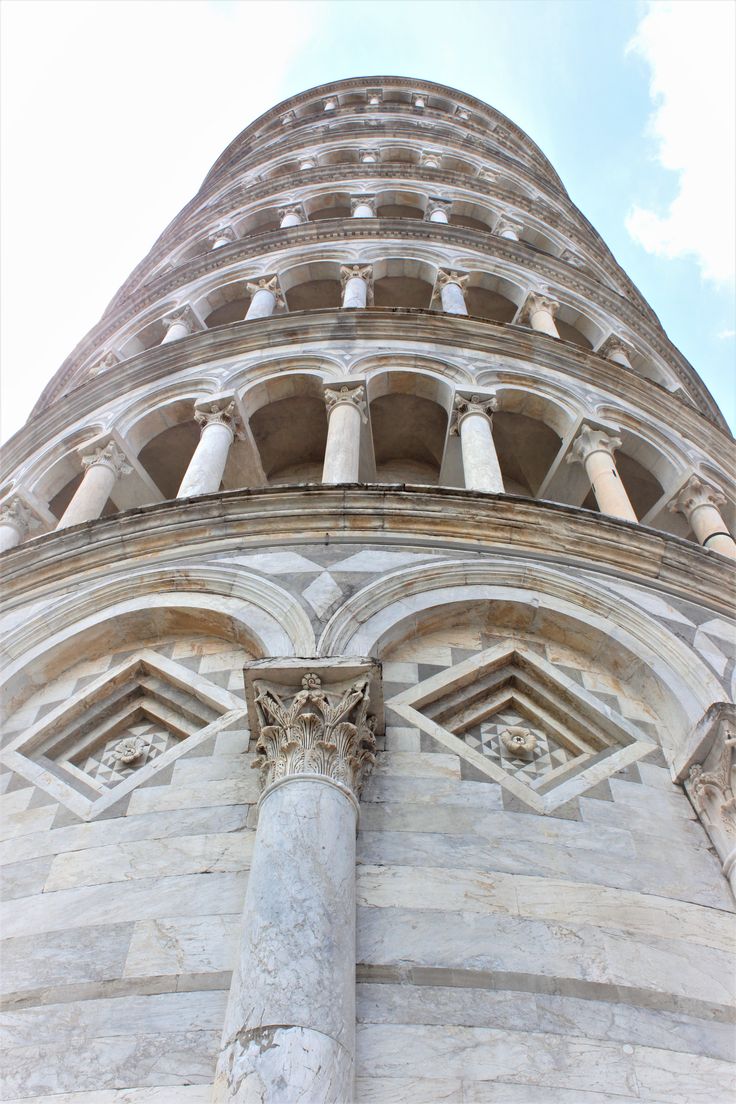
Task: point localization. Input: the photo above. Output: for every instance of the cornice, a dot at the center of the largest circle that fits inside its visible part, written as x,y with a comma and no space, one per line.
331,230
453,520
382,326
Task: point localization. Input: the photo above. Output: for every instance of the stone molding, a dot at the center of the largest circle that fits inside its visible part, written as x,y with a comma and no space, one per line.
109,456
347,395
313,720
468,403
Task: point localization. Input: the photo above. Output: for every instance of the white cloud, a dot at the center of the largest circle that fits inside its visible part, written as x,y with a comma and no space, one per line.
724,335
689,46
112,113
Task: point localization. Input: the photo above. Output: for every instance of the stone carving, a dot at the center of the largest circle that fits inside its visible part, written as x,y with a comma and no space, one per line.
16,514
318,731
591,440
451,276
368,156
430,160
222,235
535,302
519,741
716,785
182,316
438,204
696,492
110,456
109,360
363,201
471,404
355,396
710,782
218,413
267,283
129,750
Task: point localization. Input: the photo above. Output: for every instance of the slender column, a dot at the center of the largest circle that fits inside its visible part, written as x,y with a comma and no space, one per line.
614,349
224,235
265,297
505,228
103,468
290,1023
219,424
472,420
709,784
345,412
449,287
180,323
291,216
357,285
540,310
16,521
438,210
699,502
594,449
363,206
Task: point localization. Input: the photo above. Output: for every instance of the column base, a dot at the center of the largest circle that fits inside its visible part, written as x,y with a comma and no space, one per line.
284,1065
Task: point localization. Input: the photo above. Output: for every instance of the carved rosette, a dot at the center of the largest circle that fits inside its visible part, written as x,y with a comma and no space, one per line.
110,456
354,396
317,731
471,404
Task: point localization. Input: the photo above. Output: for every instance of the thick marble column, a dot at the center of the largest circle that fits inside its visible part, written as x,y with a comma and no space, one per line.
472,420
699,501
594,449
103,468
450,286
291,216
16,521
289,1030
615,350
224,235
265,297
357,285
505,228
540,310
709,783
180,323
438,210
346,412
219,427
363,206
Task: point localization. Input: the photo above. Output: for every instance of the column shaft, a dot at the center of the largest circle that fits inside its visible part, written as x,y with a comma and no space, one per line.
206,467
710,529
176,331
480,460
542,321
262,304
453,300
90,496
608,489
10,535
342,452
290,1025
356,292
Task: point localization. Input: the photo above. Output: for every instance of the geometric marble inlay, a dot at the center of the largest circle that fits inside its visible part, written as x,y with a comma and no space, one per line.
524,724
119,731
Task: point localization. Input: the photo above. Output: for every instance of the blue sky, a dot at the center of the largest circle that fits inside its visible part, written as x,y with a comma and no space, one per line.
113,112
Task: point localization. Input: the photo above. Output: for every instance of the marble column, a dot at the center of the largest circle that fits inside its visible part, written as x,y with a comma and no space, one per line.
363,206
504,228
224,235
291,216
180,323
594,449
450,286
207,465
540,310
472,420
103,468
438,210
357,285
615,350
346,412
265,297
289,1030
699,501
709,784
16,521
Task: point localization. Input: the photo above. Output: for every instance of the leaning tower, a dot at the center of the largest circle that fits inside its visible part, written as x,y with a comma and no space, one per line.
379,476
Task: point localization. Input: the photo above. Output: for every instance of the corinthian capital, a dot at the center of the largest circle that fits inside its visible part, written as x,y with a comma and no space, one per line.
15,513
467,403
109,456
353,395
591,440
447,276
221,235
696,492
267,283
362,201
537,301
438,204
710,782
320,728
356,272
183,316
221,411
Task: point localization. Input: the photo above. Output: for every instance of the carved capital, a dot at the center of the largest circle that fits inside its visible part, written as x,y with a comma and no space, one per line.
330,104
109,360
613,345
438,204
447,276
374,95
183,316
696,492
287,118
710,783
353,395
109,456
15,513
221,235
462,113
466,403
267,283
504,226
591,440
218,412
572,258
363,201
307,163
369,156
323,727
356,272
537,301
430,159
293,209
419,100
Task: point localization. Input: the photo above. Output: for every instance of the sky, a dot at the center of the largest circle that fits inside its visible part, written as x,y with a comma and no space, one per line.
113,111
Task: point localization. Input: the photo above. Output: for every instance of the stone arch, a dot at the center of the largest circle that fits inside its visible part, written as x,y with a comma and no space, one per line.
493,297
409,419
275,406
529,427
403,282
328,205
400,203
312,285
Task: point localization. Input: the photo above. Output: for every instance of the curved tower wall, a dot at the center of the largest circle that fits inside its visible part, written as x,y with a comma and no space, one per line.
380,421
